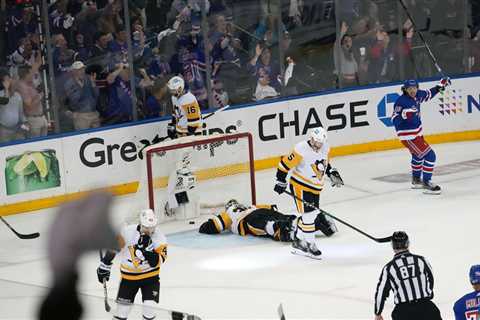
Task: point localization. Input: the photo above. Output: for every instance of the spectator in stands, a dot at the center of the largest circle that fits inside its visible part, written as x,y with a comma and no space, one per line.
13,123
262,67
82,94
100,51
32,100
83,52
120,104
159,104
20,21
60,20
382,59
86,22
119,44
264,90
268,30
63,57
110,20
346,67
220,96
23,55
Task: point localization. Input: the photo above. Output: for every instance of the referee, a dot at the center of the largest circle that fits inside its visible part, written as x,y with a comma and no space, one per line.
410,278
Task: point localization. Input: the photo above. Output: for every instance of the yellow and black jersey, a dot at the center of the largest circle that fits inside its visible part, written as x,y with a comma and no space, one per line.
134,266
187,113
306,166
233,219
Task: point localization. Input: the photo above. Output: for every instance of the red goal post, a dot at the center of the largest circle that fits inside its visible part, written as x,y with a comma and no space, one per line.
223,165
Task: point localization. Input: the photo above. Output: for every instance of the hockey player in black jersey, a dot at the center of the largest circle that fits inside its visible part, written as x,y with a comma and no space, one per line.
258,220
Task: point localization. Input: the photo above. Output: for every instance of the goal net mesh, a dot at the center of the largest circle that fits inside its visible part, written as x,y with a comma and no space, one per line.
210,169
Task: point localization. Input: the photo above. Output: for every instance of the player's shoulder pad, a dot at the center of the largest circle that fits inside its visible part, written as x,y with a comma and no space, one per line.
302,148
187,98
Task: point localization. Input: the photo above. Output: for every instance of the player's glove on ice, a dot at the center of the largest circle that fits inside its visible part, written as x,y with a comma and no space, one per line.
103,272
280,187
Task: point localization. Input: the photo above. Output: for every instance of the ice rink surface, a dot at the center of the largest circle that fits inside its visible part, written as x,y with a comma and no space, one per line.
232,277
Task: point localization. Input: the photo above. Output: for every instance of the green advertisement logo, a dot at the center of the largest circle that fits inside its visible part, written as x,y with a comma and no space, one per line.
32,171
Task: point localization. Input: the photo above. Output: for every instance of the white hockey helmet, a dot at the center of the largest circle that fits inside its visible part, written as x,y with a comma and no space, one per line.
317,137
176,85
148,219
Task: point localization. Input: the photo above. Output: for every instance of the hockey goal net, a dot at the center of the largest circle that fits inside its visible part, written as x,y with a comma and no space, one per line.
206,171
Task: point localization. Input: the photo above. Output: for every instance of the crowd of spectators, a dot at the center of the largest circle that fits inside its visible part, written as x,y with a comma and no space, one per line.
228,52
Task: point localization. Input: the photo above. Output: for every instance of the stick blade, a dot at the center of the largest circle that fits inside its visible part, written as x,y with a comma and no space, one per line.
107,306
281,314
28,236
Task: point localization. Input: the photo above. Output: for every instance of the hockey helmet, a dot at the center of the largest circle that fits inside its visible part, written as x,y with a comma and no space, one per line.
148,219
231,203
475,274
176,85
317,138
410,83
400,240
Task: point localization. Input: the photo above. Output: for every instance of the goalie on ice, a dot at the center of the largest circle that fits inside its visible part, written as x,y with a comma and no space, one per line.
258,220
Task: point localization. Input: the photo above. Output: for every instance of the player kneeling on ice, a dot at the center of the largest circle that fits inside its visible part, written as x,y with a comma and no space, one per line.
408,125
307,165
143,250
259,220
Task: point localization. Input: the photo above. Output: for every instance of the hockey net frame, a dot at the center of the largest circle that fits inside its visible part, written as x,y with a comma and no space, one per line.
191,141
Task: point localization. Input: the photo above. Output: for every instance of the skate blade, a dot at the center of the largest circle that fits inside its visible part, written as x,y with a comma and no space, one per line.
414,186
305,254
432,192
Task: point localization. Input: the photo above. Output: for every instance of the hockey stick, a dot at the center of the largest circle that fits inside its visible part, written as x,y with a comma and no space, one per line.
386,239
105,292
214,112
281,314
430,53
21,235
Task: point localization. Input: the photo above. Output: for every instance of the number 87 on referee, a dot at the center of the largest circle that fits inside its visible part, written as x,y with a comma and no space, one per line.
410,278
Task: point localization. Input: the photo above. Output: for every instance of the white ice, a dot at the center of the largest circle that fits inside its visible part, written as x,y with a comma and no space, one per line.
231,277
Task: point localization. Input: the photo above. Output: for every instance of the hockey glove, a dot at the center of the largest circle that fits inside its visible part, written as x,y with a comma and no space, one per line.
103,272
335,177
280,187
444,82
144,242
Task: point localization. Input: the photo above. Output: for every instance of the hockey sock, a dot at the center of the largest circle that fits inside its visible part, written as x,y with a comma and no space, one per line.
417,164
306,227
428,164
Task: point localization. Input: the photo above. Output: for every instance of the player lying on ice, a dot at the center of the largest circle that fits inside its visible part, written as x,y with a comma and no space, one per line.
259,220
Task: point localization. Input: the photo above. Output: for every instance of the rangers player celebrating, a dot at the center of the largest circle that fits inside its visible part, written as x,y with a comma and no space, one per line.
187,117
143,250
308,164
408,125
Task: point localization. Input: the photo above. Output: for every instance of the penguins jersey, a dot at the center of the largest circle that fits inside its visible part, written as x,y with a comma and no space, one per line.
134,266
187,113
307,167
233,220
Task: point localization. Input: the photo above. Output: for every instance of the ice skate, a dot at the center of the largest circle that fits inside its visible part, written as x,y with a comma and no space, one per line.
417,183
431,188
306,249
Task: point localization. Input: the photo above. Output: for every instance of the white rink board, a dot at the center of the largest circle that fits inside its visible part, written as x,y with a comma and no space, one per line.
110,157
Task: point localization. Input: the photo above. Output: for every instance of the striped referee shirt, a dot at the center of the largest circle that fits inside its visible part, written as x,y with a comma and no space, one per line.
409,276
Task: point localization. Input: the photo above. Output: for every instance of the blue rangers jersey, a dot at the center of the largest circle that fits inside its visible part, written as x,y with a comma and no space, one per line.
468,307
406,113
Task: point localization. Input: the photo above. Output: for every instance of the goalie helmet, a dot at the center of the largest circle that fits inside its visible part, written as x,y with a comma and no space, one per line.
176,85
148,219
400,240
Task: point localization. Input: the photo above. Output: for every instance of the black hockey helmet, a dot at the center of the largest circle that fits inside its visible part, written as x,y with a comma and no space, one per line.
231,203
400,240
